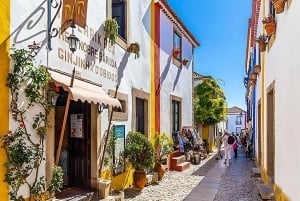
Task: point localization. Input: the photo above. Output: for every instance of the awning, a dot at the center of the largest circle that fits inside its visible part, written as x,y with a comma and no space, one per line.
83,91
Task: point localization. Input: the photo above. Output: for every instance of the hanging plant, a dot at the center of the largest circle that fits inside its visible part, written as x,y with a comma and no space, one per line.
269,24
134,48
111,29
185,62
24,145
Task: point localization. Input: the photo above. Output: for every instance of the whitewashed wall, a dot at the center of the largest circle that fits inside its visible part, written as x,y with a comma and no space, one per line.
282,66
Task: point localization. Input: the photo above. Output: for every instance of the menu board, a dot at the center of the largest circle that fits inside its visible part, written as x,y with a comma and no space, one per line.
76,125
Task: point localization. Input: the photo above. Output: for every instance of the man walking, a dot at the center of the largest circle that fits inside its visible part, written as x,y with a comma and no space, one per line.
228,140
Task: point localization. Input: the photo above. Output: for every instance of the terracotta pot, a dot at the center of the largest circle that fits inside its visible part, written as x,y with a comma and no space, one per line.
133,48
176,53
262,46
270,28
160,169
139,179
257,68
279,6
185,62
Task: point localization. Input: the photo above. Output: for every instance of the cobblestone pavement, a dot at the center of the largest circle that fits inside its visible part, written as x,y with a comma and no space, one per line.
234,183
237,183
174,186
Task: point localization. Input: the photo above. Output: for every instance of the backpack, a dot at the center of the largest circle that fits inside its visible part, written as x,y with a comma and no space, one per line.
230,139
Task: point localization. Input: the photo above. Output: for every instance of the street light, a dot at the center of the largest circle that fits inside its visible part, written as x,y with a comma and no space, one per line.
72,39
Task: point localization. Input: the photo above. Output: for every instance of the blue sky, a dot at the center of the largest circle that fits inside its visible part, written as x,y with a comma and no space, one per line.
221,28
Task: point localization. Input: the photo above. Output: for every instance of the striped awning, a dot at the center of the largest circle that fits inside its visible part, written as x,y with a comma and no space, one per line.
82,90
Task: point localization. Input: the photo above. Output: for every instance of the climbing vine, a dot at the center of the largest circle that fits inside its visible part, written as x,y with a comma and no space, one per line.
24,143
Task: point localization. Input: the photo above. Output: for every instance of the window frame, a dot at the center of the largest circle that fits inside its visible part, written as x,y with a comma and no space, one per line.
123,42
177,36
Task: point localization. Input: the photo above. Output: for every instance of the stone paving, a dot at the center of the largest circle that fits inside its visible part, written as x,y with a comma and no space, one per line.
211,180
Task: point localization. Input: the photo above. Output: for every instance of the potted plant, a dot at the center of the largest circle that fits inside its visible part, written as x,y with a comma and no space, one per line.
134,48
163,145
269,24
185,62
111,29
279,6
140,153
176,52
262,41
257,68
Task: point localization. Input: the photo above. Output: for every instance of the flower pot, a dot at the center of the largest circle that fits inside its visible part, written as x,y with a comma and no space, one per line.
279,6
257,68
133,48
175,53
160,169
103,188
262,46
270,28
185,62
139,179
253,76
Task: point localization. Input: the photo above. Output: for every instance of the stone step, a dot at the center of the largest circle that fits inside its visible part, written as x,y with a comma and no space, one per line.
256,172
182,166
265,191
178,159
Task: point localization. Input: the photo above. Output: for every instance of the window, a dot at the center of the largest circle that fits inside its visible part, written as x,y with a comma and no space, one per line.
118,11
177,45
238,120
176,108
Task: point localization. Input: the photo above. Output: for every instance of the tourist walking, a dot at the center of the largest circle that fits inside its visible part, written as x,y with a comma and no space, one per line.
219,143
228,140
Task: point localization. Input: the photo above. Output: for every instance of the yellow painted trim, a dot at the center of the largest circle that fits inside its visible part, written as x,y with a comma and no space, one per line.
152,67
279,194
263,98
121,181
4,98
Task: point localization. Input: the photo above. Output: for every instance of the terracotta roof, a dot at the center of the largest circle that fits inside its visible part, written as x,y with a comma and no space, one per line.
197,76
170,13
235,110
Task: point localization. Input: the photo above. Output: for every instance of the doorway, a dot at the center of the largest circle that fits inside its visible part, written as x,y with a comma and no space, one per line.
270,132
259,148
75,156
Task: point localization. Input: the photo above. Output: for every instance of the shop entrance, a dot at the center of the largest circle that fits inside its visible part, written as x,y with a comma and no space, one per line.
75,154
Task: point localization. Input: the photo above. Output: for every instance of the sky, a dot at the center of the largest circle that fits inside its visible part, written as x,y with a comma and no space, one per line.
221,27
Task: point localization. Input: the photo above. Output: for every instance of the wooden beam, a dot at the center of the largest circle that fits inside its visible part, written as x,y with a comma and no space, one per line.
63,127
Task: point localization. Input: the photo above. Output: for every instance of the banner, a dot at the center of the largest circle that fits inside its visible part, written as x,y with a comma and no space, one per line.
73,10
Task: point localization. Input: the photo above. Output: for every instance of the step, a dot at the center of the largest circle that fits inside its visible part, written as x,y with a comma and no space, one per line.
182,166
256,172
265,191
178,159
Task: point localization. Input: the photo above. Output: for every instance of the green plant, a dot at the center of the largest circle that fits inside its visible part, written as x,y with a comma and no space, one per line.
24,146
139,151
163,145
209,102
57,182
111,29
262,39
134,48
110,149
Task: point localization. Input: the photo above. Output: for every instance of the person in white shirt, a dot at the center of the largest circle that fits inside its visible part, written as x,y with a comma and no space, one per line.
227,147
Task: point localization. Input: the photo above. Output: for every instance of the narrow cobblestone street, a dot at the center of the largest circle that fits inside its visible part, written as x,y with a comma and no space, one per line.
211,180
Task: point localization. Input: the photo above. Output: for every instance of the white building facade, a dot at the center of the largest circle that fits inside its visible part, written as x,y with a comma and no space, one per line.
154,90
272,95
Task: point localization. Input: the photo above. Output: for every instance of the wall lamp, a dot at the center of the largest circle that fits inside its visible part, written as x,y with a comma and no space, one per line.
72,39
101,107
